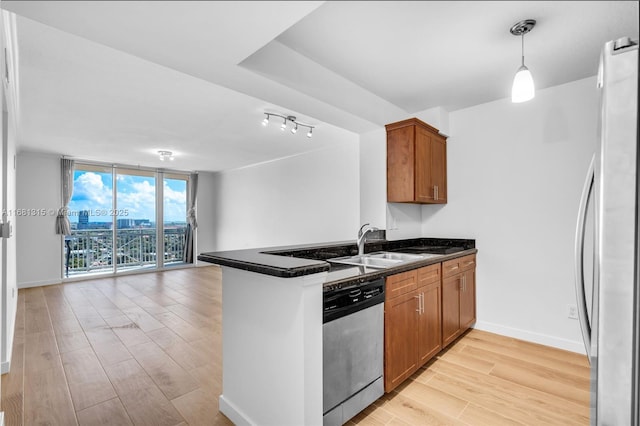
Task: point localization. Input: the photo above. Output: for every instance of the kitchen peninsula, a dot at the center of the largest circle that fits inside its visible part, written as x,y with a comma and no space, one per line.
272,322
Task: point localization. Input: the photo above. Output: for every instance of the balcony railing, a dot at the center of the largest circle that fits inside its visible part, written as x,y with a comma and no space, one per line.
91,250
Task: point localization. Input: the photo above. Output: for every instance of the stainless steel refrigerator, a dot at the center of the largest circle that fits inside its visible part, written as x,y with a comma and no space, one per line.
609,308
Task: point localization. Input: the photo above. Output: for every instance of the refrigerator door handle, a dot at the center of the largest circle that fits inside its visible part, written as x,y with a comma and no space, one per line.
579,259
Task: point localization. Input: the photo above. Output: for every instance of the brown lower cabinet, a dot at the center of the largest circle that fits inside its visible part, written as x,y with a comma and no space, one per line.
425,309
458,297
412,322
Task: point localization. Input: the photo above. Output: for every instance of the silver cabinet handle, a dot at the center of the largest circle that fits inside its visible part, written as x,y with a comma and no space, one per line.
422,302
418,297
579,259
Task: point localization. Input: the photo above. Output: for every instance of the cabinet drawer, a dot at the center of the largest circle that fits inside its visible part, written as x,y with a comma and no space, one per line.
455,266
467,262
450,267
429,274
400,284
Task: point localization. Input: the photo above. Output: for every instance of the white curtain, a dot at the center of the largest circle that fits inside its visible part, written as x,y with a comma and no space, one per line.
63,227
192,224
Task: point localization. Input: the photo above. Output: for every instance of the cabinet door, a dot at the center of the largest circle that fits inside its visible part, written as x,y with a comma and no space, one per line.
439,168
400,339
400,164
450,308
429,323
424,185
468,299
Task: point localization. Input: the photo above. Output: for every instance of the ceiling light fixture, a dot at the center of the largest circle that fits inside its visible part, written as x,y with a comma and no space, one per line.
523,88
165,155
285,120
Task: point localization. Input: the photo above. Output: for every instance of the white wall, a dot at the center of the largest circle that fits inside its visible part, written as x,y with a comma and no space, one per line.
309,198
39,248
373,178
515,175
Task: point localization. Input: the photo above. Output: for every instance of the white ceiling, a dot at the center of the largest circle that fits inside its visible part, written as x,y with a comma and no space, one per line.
117,81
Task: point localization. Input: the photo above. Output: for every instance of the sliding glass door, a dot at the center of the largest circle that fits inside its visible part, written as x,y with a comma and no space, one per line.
125,219
135,219
89,248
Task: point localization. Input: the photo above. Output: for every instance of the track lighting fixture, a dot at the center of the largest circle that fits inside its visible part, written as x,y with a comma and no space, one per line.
523,88
165,155
285,121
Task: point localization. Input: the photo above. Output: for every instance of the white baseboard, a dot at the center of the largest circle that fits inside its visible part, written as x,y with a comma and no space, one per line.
543,339
5,367
232,412
39,283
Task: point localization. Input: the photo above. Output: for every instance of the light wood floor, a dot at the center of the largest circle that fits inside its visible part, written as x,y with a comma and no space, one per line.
488,379
146,350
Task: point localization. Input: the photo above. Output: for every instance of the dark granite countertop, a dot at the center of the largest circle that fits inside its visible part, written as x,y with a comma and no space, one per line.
299,260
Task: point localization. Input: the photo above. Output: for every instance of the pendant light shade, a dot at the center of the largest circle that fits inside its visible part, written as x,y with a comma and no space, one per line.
523,88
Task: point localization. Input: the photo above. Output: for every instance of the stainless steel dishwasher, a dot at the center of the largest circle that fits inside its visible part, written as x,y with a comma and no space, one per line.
353,348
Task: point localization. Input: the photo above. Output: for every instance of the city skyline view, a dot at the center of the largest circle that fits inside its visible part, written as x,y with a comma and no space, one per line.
93,193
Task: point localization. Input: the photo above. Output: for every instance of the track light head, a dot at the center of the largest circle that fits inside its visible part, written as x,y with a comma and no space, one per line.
266,120
310,132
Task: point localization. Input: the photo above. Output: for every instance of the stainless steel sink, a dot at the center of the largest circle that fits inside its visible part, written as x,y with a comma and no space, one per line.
381,259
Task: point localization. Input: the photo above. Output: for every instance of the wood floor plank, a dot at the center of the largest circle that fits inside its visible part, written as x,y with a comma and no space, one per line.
555,359
128,376
447,404
479,416
149,407
37,312
179,350
127,331
172,379
88,383
41,352
511,398
417,413
179,326
107,413
47,400
68,342
143,319
12,388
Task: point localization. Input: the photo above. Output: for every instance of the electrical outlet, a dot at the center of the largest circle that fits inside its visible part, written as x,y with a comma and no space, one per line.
572,311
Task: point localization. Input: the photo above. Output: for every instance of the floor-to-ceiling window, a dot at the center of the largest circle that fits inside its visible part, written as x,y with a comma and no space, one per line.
124,219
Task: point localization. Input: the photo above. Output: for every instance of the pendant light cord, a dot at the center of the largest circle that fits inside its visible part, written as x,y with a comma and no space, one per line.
522,39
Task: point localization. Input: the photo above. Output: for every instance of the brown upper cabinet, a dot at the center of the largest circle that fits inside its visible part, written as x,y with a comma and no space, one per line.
416,163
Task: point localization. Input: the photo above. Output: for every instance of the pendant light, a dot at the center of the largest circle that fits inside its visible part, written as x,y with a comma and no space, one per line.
523,88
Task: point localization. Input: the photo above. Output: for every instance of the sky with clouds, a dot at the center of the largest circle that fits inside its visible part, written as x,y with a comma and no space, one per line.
93,191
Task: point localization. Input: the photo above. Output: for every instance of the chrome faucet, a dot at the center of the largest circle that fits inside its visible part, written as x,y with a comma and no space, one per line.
362,236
